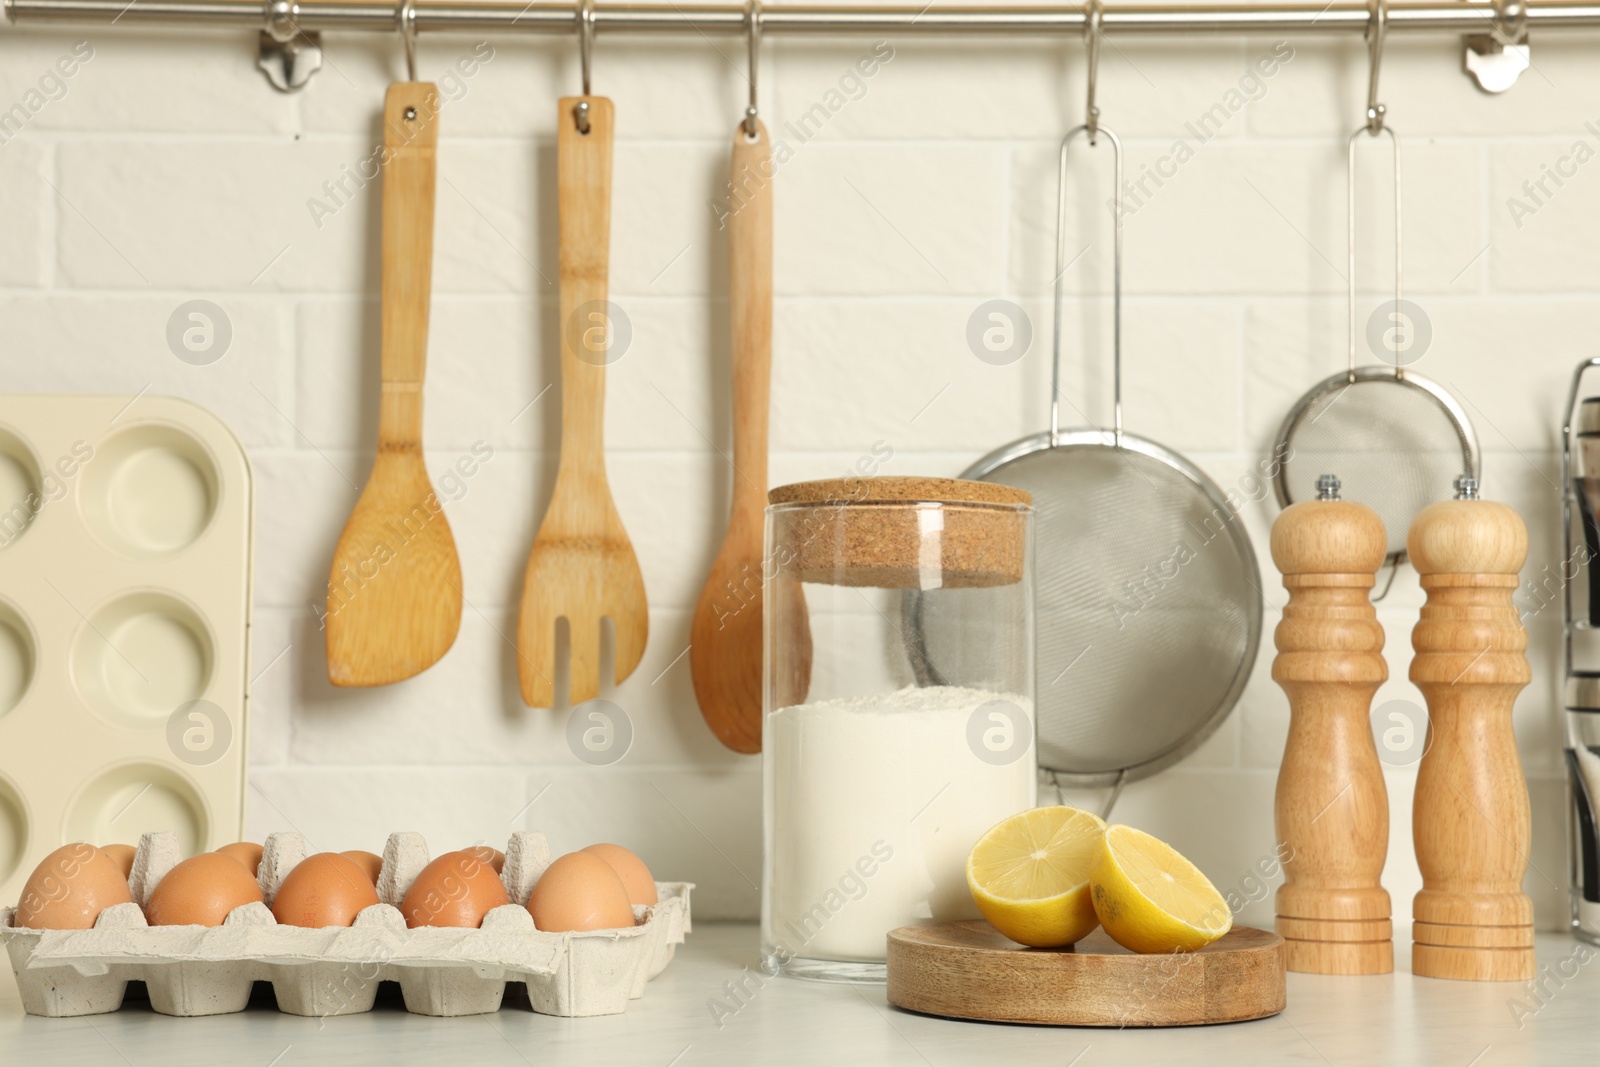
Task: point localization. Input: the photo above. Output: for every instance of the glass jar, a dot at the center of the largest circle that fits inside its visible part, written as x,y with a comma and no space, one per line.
898,708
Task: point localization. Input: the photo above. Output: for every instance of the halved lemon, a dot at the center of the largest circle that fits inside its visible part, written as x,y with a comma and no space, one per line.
1151,899
1029,875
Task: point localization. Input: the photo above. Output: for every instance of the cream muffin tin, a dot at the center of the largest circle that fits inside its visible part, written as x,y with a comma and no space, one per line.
195,970
125,535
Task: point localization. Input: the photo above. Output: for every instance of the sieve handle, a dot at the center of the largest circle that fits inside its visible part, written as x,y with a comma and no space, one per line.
1092,132
1350,268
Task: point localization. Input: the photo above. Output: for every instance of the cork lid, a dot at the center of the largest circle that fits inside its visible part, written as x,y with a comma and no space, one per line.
885,489
901,532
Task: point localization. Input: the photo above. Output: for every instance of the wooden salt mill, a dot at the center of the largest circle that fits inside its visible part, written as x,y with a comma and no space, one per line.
1332,807
1471,821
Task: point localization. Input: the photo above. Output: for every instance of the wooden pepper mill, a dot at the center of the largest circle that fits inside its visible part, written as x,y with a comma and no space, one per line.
1332,807
1471,821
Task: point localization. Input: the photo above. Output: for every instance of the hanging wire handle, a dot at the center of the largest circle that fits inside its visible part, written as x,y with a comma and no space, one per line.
406,16
752,16
585,19
1092,15
1116,284
1350,260
1375,125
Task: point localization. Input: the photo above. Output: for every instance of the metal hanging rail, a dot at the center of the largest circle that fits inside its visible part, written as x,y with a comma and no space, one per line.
514,16
1495,32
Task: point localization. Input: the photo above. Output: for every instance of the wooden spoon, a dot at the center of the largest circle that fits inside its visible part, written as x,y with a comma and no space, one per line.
582,567
726,638
394,590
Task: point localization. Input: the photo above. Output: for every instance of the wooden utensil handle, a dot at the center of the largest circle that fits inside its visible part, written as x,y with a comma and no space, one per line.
583,191
750,314
410,137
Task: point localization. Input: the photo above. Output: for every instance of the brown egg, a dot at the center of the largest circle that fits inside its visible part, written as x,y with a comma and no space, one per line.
457,889
247,853
201,891
370,864
323,890
631,869
70,888
580,891
492,856
122,856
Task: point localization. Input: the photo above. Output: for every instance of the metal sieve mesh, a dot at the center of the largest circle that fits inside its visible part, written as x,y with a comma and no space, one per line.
1148,614
1395,444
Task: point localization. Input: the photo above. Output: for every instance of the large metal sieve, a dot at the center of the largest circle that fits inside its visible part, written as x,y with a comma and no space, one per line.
1148,597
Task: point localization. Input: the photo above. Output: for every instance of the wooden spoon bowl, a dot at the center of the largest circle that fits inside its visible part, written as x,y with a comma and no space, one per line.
394,588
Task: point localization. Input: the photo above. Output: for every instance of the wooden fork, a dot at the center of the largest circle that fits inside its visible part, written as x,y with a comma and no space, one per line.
582,567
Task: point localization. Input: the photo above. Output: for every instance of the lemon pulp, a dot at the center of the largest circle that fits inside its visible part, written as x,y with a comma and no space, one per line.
1149,898
1029,875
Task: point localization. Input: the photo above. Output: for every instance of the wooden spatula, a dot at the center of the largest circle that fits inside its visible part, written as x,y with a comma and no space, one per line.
725,640
394,590
582,567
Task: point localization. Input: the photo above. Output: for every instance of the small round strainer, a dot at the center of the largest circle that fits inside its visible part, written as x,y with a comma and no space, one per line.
1395,440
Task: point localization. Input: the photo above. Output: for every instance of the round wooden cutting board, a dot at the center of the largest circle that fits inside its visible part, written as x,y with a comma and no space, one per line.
968,970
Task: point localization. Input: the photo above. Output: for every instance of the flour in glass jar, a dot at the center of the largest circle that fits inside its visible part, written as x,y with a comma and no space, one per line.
875,802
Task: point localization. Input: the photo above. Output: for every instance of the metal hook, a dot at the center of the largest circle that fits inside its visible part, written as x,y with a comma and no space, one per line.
585,17
406,16
1375,30
752,15
1092,15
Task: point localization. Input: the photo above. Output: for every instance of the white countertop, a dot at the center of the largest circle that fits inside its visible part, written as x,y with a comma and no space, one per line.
1367,1021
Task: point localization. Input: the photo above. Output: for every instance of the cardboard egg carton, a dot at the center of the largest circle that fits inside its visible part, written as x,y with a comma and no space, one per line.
196,970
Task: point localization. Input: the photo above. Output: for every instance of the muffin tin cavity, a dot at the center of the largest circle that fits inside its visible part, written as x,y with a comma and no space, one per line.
17,657
150,491
140,657
13,830
19,488
125,543
121,803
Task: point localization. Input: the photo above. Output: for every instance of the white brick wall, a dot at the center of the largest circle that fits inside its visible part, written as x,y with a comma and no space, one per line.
169,171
